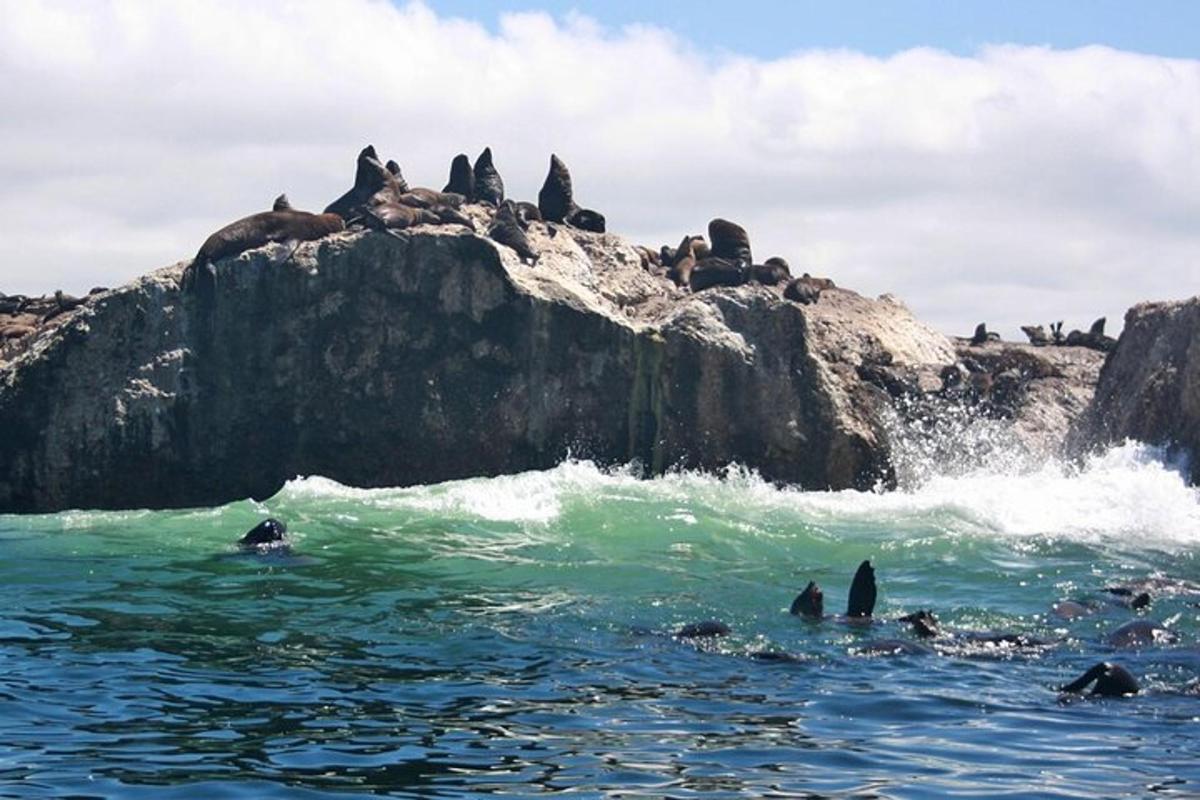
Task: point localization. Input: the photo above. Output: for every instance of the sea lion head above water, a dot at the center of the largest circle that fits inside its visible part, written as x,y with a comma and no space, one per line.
269,534
1112,680
810,603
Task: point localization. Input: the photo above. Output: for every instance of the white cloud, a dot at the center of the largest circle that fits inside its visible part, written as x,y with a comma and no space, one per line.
1022,184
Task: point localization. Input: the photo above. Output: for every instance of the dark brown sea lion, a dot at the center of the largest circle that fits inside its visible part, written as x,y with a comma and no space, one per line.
1140,633
506,229
587,220
982,335
716,271
394,216
556,199
462,179
772,273
372,184
860,606
269,534
729,240
1037,335
1112,680
707,629
802,290
257,230
452,216
527,212
394,169
282,203
683,263
419,197
666,256
489,187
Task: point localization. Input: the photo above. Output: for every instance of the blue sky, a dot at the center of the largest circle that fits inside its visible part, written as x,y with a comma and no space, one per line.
773,29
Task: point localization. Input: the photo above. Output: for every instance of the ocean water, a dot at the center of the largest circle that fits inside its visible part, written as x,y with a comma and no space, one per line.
511,636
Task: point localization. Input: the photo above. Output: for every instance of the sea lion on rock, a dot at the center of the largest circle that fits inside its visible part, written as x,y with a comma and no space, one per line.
1037,335
527,212
394,169
810,603
729,240
772,273
715,271
802,290
269,534
506,229
556,198
462,178
489,187
1112,680
419,197
982,335
394,216
373,184
282,204
587,220
257,230
683,263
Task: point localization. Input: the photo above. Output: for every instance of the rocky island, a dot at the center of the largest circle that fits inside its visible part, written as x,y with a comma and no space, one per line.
388,355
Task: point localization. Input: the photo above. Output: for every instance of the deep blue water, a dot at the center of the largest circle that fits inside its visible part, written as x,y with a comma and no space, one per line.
509,636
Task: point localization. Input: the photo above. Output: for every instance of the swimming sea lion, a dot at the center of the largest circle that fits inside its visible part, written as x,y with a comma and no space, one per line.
717,271
556,197
810,603
729,240
926,626
257,230
707,629
269,534
506,229
1112,680
1140,633
462,179
489,187
282,203
372,184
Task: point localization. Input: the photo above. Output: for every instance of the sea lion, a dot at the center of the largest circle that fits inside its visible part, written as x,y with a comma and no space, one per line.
556,197
1140,633
1037,335
926,626
1112,680
709,628
729,240
1056,334
716,271
506,229
419,197
394,169
462,179
526,213
452,216
802,290
982,335
810,603
269,534
373,184
587,220
394,216
282,204
771,273
489,187
257,230
684,262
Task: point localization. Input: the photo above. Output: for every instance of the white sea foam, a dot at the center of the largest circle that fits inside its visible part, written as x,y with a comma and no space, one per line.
1128,496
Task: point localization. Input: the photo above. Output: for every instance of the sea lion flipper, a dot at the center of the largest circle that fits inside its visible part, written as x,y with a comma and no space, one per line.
862,592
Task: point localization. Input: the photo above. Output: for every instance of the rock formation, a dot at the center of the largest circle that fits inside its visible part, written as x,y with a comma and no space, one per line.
384,359
1149,389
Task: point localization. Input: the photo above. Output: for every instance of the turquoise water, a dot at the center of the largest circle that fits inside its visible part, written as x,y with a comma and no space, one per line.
507,636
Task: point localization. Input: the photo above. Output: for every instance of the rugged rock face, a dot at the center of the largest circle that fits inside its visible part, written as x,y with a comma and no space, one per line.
390,359
1149,388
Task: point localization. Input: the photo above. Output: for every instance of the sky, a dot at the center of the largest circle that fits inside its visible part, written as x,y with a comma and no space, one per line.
1008,162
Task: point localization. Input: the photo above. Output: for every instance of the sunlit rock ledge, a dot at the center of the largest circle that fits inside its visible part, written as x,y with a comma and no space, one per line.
435,354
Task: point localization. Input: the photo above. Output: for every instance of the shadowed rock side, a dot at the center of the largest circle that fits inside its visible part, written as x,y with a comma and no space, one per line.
1149,388
435,354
